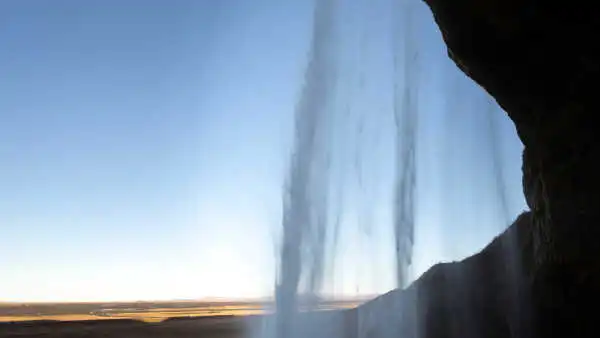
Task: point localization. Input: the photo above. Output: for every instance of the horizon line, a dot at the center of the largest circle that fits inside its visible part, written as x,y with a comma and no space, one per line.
175,300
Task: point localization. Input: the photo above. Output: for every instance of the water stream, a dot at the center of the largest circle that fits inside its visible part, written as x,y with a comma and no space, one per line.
311,232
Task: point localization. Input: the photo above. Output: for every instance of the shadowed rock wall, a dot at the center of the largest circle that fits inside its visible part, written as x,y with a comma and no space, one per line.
540,60
541,278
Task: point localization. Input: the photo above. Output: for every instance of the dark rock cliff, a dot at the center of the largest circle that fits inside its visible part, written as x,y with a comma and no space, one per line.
485,295
540,60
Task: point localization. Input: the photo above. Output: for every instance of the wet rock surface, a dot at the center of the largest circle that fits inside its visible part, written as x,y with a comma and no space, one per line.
485,295
540,60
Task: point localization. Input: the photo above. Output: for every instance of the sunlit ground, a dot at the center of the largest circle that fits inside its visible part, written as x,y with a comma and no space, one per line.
146,312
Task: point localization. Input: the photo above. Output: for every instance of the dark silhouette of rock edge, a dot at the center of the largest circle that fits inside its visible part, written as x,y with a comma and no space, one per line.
540,60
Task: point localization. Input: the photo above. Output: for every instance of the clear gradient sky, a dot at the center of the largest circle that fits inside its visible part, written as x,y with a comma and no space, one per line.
144,144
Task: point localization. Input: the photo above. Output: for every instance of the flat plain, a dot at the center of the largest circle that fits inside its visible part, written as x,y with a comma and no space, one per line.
181,319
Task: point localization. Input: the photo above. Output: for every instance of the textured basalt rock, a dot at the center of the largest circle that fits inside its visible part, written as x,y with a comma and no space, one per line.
484,295
541,62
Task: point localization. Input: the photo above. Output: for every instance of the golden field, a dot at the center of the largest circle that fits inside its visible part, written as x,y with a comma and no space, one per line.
135,319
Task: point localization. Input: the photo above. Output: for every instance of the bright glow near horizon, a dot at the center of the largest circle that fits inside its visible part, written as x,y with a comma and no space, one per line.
144,149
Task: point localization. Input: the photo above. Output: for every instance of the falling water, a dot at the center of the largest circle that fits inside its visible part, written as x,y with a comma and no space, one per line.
305,206
405,114
307,224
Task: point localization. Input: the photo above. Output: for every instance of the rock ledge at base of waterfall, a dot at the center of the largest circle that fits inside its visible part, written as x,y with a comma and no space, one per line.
481,296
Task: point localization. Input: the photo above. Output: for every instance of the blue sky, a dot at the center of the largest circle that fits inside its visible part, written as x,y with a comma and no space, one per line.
144,144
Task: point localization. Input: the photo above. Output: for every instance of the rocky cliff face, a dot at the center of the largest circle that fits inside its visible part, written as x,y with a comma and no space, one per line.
541,61
485,295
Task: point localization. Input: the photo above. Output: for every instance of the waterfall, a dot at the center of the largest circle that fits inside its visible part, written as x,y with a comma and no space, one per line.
311,236
406,112
305,207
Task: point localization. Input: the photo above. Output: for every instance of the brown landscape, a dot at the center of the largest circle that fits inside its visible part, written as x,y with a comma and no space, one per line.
136,319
